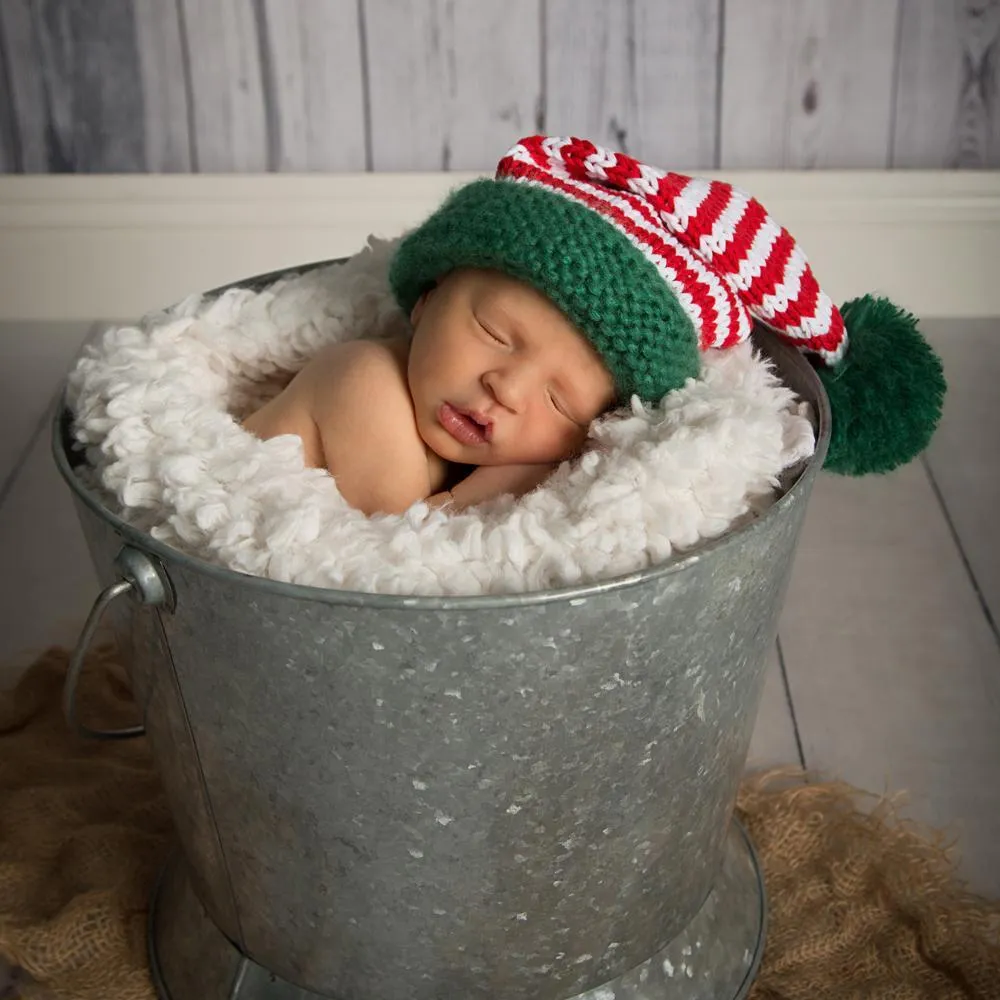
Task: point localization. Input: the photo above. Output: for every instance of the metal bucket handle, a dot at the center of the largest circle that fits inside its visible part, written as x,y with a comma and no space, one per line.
144,578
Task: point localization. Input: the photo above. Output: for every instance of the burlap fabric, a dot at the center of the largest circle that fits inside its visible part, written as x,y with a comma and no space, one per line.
861,904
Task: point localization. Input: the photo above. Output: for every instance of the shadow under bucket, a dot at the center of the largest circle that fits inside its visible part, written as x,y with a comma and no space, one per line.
506,797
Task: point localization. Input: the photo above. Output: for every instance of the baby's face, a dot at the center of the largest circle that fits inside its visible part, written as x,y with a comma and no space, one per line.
499,376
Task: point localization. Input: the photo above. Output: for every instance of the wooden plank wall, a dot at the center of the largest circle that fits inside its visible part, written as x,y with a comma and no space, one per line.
347,85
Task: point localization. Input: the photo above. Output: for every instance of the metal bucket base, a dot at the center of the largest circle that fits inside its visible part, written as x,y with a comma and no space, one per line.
716,957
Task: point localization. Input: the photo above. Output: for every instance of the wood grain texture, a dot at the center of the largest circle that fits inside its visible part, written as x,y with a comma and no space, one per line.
74,84
27,90
453,83
308,85
93,88
49,582
222,41
807,83
312,72
165,86
34,359
774,742
638,77
893,668
948,103
10,156
964,455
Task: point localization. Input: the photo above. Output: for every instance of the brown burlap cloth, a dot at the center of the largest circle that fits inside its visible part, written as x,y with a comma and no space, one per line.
861,903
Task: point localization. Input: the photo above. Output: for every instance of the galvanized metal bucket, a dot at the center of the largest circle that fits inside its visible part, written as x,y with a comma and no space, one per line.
381,797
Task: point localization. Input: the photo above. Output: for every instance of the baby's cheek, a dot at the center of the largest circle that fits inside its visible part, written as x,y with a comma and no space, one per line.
575,437
562,441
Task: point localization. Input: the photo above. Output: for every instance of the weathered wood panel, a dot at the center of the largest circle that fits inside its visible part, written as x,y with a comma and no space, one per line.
638,77
222,41
27,94
807,83
775,740
893,668
43,608
963,456
91,69
312,70
453,83
75,84
165,86
306,85
948,103
9,154
34,358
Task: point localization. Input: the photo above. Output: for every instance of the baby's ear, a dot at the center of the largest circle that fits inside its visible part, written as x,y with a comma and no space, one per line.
418,310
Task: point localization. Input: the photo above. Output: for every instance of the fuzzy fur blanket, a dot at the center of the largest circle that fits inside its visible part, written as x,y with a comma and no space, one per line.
157,408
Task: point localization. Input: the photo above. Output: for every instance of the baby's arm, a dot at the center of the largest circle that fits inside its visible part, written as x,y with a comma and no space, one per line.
488,481
351,407
369,434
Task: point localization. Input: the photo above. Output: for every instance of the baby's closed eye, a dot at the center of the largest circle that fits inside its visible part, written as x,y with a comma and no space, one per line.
491,333
559,405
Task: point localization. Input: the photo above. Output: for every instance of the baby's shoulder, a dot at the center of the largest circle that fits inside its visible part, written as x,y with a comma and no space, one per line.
372,367
364,412
365,380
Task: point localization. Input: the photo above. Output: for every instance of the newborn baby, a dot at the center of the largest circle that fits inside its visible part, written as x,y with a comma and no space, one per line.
494,377
574,278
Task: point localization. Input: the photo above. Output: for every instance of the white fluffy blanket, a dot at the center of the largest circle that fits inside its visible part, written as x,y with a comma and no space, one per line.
158,406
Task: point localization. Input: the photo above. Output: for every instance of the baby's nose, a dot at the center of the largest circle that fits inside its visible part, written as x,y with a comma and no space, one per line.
508,387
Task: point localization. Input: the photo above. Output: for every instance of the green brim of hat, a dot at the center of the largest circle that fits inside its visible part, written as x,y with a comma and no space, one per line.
589,269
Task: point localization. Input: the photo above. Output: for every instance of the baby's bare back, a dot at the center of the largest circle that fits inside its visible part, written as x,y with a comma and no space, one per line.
351,408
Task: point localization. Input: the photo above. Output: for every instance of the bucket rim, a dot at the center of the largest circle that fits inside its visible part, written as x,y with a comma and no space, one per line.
789,361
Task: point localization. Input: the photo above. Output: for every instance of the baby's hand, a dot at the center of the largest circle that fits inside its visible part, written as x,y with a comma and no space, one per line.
488,481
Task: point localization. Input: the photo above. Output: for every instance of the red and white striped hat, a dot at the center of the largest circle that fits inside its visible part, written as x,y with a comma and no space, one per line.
654,267
722,255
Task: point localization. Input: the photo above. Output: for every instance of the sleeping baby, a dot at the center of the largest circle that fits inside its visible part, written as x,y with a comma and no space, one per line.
494,377
574,280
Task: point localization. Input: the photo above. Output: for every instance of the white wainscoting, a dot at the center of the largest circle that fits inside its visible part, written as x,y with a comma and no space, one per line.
114,247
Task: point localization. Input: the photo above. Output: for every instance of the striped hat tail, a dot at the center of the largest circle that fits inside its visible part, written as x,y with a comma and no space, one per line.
722,254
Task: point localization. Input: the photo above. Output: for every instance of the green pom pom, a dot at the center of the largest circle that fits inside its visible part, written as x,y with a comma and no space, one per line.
887,393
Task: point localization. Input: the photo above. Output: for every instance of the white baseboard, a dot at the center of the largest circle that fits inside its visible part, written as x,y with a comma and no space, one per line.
75,248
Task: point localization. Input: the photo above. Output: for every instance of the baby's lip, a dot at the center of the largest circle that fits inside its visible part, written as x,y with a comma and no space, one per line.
480,418
480,421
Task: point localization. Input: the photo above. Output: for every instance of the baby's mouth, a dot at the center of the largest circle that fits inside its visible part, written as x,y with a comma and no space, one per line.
465,426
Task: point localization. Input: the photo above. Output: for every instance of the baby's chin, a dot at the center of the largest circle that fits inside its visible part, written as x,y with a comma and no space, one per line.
445,448
443,451
526,459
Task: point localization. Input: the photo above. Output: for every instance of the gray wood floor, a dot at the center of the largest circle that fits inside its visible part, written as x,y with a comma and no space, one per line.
887,669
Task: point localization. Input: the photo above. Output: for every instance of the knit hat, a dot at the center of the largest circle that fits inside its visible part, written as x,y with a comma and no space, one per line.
654,267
